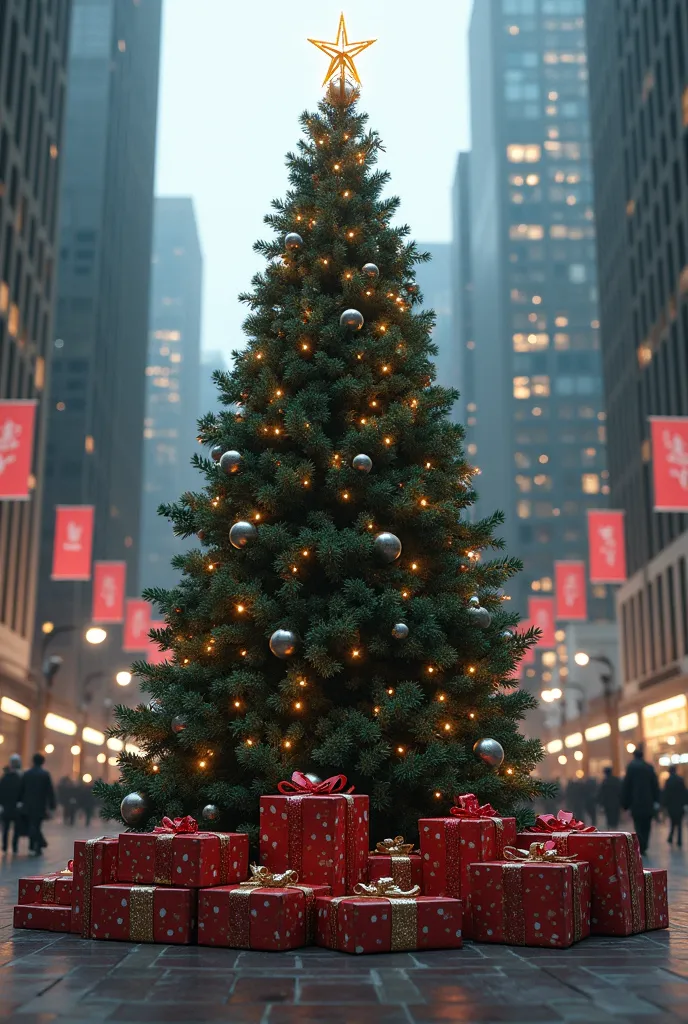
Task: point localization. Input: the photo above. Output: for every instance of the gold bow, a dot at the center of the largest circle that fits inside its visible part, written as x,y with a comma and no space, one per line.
538,852
262,876
386,888
396,845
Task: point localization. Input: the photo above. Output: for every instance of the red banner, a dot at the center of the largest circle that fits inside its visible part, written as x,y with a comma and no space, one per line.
73,542
607,546
155,655
570,589
137,622
541,614
670,462
109,581
17,421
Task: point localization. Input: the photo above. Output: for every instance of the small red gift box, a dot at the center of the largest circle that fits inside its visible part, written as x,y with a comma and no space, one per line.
50,917
381,918
176,853
656,899
54,888
448,845
144,913
95,863
269,912
537,900
316,830
615,864
393,858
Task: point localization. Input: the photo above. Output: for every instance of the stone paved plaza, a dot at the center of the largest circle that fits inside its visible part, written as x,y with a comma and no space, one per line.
45,978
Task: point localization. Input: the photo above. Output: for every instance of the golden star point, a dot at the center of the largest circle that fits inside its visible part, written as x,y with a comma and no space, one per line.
341,53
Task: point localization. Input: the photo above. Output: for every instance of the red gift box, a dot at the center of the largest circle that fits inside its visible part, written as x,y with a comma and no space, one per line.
317,831
176,853
54,888
381,918
50,917
269,912
615,864
144,913
95,863
656,899
393,858
448,845
530,902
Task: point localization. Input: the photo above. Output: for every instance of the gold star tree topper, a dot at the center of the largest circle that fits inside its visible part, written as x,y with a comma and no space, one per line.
341,53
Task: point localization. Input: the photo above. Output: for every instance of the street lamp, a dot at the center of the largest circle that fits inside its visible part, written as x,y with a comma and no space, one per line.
582,659
96,635
123,678
611,698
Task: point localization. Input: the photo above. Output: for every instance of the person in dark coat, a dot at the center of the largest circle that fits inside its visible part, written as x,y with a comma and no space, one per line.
66,798
10,784
37,798
590,799
609,798
86,801
575,798
640,796
675,798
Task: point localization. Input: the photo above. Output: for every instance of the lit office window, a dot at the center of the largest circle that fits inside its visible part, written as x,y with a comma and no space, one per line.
519,154
590,483
521,232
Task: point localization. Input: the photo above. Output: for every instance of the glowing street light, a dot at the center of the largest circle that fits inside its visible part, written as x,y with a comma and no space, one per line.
546,695
581,658
47,627
96,635
123,678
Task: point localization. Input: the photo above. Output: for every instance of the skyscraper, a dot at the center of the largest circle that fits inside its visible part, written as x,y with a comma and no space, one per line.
639,112
33,55
536,385
95,423
209,395
172,382
462,343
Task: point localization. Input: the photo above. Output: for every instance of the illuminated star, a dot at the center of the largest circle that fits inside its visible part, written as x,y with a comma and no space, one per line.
342,53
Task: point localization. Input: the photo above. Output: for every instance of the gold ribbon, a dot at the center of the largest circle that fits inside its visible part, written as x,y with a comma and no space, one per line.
48,889
398,851
384,887
514,911
239,913
633,855
576,896
88,882
163,858
403,910
538,854
141,913
650,905
394,847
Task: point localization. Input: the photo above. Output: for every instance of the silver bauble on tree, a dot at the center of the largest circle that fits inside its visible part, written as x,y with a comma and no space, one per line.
242,533
387,546
507,635
229,462
211,812
480,616
400,631
363,463
216,452
351,319
474,602
490,752
154,705
135,809
283,643
371,271
179,724
293,241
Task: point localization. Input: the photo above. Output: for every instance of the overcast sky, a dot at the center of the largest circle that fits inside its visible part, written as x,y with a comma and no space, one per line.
234,79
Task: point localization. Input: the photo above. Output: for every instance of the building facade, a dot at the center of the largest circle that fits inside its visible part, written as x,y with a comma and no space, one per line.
34,40
638,54
535,386
172,383
97,390
463,344
434,281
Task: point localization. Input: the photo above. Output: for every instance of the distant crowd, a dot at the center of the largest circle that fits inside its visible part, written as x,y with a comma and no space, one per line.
28,798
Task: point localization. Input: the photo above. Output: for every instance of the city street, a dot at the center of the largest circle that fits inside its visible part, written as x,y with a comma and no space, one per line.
45,978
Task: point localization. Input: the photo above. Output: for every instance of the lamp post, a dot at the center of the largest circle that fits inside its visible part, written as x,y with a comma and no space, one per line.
611,698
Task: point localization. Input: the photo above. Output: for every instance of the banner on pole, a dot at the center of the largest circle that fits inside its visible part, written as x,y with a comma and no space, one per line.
155,655
109,583
541,614
607,545
570,591
17,426
73,542
137,622
670,462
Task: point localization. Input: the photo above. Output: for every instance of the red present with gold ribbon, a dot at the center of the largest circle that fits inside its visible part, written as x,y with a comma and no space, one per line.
382,918
532,898
317,830
616,869
267,912
474,832
53,888
49,917
176,853
144,913
394,858
95,863
656,899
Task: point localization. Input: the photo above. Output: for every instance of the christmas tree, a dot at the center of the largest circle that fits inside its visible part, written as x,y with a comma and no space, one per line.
340,614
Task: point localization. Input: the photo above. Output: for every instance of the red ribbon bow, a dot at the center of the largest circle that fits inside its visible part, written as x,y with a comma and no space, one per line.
469,807
302,785
179,825
564,821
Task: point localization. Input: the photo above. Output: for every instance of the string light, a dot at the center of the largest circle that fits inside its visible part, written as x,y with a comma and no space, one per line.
259,355
305,553
447,727
257,515
404,593
287,744
337,167
382,328
298,705
400,750
201,764
156,767
430,669
211,567
371,526
304,347
186,661
243,653
278,393
414,566
240,608
388,440
423,502
348,274
441,697
437,794
355,653
471,670
302,682
471,714
390,691
249,743
294,568
306,483
428,465
237,703
345,495
510,771
350,234
346,196
363,420
385,369
376,710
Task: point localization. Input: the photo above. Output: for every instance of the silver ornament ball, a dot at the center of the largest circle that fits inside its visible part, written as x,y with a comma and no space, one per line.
400,631
179,724
283,643
474,602
371,271
293,241
489,751
211,812
216,452
507,635
387,546
480,616
135,809
242,533
351,319
342,93
363,463
154,705
229,462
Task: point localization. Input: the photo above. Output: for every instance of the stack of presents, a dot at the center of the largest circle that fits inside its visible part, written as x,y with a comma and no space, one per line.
474,877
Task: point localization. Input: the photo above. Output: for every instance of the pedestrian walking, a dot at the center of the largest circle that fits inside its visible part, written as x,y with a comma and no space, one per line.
37,799
67,799
640,796
86,801
609,798
590,799
674,799
575,798
10,784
